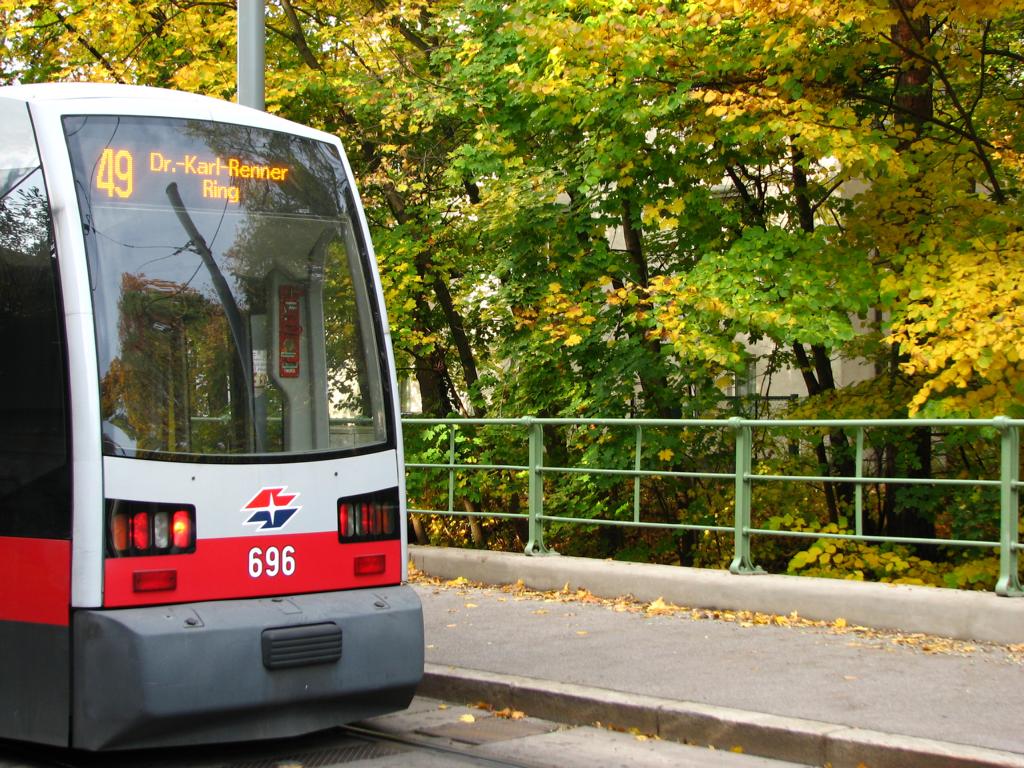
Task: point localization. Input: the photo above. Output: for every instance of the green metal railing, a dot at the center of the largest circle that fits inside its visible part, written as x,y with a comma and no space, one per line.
1007,431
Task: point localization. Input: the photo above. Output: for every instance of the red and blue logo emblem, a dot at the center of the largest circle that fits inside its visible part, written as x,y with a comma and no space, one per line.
271,508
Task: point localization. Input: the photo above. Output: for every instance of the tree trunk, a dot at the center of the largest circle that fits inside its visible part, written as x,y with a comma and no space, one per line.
657,393
914,102
418,530
436,390
817,370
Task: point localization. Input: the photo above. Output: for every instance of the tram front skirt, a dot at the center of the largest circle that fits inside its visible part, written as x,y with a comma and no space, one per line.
240,670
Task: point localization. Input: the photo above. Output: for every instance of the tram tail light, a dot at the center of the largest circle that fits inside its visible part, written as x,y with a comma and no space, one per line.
181,529
119,533
155,581
140,531
370,565
346,520
136,528
369,516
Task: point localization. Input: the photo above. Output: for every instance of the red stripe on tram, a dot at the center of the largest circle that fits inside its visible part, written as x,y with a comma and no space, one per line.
35,580
253,566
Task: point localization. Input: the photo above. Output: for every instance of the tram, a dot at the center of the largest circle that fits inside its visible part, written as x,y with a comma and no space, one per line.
202,507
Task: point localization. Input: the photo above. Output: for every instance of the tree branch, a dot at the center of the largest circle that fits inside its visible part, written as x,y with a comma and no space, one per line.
104,62
298,37
1003,52
972,134
406,32
747,198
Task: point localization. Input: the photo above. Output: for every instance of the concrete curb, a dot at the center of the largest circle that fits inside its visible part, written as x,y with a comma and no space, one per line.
976,616
782,738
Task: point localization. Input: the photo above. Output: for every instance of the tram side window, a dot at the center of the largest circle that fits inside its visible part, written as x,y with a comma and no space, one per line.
34,460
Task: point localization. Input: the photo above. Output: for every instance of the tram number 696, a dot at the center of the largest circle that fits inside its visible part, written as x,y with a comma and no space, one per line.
271,561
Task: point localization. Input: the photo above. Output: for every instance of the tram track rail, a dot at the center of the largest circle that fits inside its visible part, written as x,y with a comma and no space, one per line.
336,747
468,755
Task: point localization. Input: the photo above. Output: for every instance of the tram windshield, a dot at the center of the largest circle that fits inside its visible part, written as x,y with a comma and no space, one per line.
231,290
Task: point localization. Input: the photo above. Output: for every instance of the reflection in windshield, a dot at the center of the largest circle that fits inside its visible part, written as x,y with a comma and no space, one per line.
221,257
227,303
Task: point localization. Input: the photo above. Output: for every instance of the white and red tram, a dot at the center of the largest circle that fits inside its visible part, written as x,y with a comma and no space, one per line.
202,529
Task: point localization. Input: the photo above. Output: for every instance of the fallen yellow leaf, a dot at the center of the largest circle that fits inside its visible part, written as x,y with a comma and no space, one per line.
467,719
659,606
510,714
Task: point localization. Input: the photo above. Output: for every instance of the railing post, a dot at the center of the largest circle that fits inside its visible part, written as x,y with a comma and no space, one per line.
451,468
741,562
535,544
637,466
858,515
1008,584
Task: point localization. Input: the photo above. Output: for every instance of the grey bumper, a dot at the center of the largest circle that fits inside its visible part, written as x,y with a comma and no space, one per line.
200,672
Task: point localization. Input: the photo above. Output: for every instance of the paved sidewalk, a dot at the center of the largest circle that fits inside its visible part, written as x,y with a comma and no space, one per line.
791,690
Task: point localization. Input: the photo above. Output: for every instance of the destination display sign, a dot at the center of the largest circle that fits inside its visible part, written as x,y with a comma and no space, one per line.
217,177
128,160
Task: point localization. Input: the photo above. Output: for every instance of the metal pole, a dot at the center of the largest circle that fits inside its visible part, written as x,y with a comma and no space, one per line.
251,54
1008,584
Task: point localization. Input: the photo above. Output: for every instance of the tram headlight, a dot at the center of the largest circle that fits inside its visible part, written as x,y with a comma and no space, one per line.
162,530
